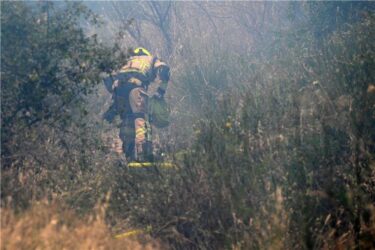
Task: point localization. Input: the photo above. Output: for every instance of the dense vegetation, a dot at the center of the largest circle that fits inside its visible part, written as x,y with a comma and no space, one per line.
275,141
49,67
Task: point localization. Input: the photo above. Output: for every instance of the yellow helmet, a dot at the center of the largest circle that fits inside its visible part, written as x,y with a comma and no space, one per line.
141,51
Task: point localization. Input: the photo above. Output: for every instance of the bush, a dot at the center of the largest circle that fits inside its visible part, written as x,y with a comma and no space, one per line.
54,226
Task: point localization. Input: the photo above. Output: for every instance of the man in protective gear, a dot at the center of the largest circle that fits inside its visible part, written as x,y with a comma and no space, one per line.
130,101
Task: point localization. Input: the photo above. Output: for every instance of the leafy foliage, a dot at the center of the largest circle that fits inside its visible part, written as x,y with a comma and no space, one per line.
274,145
49,67
285,159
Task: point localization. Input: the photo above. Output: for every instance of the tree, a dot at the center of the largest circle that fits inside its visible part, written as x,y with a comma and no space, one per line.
49,67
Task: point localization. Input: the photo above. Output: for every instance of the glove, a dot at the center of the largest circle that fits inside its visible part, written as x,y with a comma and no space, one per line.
161,90
160,93
108,84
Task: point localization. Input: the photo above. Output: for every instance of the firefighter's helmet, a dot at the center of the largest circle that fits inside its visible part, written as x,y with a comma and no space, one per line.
141,52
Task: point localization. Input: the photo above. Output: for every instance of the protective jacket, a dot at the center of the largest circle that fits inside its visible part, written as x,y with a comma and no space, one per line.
139,71
130,101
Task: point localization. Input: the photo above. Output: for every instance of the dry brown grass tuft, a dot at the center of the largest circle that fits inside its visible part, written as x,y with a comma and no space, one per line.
331,239
51,226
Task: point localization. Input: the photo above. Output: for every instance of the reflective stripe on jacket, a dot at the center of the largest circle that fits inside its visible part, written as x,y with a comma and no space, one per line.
142,67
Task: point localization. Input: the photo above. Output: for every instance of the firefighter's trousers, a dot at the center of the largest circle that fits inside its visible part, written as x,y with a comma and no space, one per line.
135,130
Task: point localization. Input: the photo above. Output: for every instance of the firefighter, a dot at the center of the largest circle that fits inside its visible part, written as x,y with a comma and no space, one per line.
130,101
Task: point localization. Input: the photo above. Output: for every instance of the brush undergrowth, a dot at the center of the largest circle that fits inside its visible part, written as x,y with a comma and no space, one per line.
47,225
279,155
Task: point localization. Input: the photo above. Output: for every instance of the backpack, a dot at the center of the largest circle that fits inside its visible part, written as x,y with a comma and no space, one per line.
158,112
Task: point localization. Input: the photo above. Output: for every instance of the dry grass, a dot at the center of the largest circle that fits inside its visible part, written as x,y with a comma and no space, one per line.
51,226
